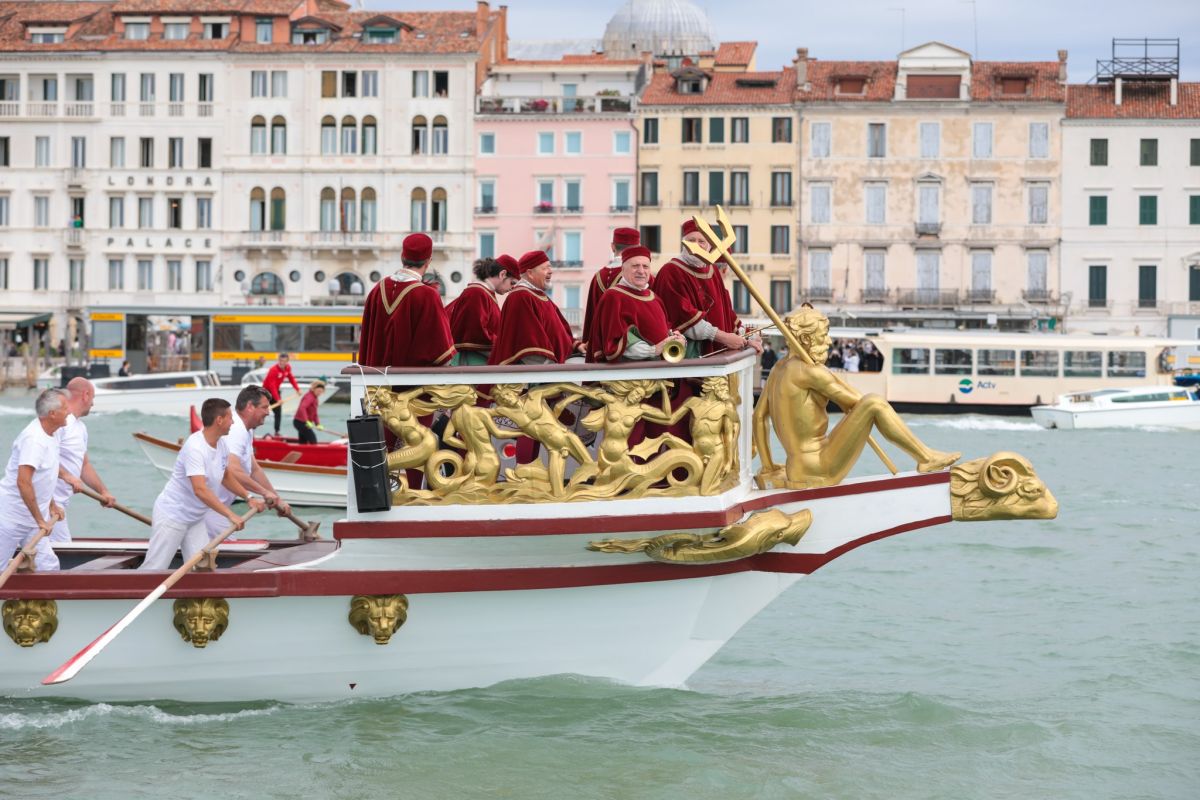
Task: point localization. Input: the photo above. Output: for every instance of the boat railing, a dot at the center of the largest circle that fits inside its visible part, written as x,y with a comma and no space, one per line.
552,434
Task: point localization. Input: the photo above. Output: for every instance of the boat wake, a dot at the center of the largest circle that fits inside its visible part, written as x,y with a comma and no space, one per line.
973,423
152,714
9,411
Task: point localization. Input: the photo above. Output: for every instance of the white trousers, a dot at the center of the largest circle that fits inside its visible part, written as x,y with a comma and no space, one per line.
168,536
15,536
216,524
62,530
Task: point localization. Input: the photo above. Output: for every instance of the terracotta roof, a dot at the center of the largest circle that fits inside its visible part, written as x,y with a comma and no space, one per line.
735,54
1044,87
823,77
34,13
1138,101
880,81
725,88
179,6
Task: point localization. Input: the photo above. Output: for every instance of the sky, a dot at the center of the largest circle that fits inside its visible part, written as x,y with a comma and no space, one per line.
1008,30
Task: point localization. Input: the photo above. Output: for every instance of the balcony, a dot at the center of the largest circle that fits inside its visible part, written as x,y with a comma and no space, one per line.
1147,305
41,109
73,237
485,210
116,109
620,209
980,296
927,298
928,228
1040,296
875,294
345,240
146,109
820,294
550,104
264,240
569,264
10,108
1098,303
544,208
80,108
571,210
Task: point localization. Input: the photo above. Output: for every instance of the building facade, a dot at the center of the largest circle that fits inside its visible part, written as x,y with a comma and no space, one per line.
931,189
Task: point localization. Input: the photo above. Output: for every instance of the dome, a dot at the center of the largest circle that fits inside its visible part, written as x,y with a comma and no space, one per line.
664,27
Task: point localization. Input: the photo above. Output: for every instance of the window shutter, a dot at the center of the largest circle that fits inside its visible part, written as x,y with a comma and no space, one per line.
981,271
928,211
1037,271
820,139
929,139
1039,140
875,271
818,269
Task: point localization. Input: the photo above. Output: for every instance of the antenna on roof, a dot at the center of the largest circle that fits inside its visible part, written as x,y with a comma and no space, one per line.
901,10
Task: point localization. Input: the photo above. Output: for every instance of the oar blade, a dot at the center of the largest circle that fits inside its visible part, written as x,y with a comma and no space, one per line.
75,664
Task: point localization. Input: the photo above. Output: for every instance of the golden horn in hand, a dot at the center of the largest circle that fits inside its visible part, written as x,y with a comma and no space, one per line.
673,351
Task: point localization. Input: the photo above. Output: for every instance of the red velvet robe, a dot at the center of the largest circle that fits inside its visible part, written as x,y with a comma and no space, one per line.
622,310
531,325
404,325
604,279
474,318
690,295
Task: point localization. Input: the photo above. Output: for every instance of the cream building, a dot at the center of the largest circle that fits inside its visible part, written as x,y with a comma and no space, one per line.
931,189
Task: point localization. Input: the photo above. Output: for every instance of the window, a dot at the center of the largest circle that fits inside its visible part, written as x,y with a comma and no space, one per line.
574,192
716,188
876,140
741,298
41,211
145,276
370,83
41,151
1097,210
545,144
910,361
1147,286
41,274
145,212
573,143
818,272
77,211
1195,153
370,137
205,89
780,240
874,278
929,280
781,296
691,188
328,210
1148,209
1194,209
204,153
1014,85
3,211
1039,363
279,83
47,37
441,84
487,197
981,274
147,92
1149,152
349,84
693,131
1036,272
1130,364
258,136
1194,285
1097,286
420,136
1099,152
649,189
420,84
175,152
650,130
820,205
278,136
215,30
781,129
739,188
278,210
781,188
258,209
203,213
328,83
263,31
739,130
876,202
741,239
819,133
929,204
175,31
116,212
545,194
146,152
716,130
652,237
1083,363
951,362
487,245
118,87
381,35
1039,140
981,140
328,137
1039,204
116,151
931,139
137,31
116,274
622,143
487,144
621,194
174,275
78,152
981,204
573,248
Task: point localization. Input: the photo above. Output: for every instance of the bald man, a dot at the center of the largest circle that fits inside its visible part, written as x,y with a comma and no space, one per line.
74,467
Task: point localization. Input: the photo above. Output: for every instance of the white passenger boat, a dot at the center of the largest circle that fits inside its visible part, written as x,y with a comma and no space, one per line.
169,393
1146,406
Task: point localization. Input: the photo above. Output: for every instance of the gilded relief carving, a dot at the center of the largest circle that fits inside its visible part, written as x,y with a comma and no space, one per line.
756,534
378,616
201,620
30,622
1002,486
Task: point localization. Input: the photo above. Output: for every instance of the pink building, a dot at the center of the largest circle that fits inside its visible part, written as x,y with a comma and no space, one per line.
556,156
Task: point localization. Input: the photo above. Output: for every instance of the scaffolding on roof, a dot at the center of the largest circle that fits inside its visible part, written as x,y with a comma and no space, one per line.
1140,60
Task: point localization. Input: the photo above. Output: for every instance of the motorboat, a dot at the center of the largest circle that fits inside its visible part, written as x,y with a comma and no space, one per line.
168,393
1146,406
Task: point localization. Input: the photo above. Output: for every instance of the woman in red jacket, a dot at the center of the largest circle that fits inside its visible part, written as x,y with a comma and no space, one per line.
307,421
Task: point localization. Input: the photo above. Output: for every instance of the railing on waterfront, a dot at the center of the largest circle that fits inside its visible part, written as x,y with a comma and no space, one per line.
555,104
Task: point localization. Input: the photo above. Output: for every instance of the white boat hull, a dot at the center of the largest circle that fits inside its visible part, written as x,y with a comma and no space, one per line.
172,402
1160,415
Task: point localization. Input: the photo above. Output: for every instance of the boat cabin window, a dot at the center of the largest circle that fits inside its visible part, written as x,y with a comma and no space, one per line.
1127,364
996,362
330,339
266,337
910,361
1039,363
952,362
108,335
227,337
1083,363
1154,397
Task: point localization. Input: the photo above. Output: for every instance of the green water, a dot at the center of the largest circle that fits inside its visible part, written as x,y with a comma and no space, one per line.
995,660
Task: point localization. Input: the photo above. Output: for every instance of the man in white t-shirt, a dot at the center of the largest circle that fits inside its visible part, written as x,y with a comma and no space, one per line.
74,467
250,410
200,469
27,491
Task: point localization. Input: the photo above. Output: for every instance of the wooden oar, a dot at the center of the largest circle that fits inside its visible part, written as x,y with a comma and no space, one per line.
308,530
142,518
72,666
29,550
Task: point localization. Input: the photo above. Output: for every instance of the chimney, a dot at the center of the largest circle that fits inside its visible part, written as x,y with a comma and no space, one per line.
482,10
1062,67
801,63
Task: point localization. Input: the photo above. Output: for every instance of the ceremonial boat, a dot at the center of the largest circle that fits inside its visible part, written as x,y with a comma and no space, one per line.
1147,406
633,548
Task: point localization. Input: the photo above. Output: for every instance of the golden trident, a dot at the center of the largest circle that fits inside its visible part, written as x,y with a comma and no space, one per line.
721,246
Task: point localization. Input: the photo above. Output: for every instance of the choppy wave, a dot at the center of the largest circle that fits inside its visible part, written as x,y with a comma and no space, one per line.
17,721
9,411
973,422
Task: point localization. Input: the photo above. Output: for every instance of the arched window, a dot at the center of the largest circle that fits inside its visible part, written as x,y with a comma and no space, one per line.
420,136
348,283
367,203
370,145
328,210
278,136
278,209
347,220
437,217
328,136
420,211
258,209
266,283
441,137
349,136
258,136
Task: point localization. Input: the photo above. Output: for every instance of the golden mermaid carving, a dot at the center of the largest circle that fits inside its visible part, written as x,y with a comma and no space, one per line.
754,535
530,411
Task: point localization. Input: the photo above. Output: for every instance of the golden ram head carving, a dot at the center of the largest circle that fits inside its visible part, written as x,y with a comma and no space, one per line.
1002,486
201,620
379,615
30,622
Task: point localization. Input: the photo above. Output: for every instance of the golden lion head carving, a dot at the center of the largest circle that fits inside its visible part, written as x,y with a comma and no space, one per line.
1002,486
28,622
201,620
378,616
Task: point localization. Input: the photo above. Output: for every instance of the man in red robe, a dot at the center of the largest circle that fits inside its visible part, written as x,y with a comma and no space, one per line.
532,329
631,323
404,323
697,301
605,277
475,314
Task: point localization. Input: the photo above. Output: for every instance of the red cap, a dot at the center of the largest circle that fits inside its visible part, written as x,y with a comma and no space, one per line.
509,263
534,258
634,252
626,236
416,247
689,226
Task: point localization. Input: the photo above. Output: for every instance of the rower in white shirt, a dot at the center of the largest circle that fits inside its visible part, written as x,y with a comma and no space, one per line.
250,410
200,469
75,469
27,490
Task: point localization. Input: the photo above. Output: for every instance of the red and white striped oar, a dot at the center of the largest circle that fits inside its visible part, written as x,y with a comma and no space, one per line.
72,666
